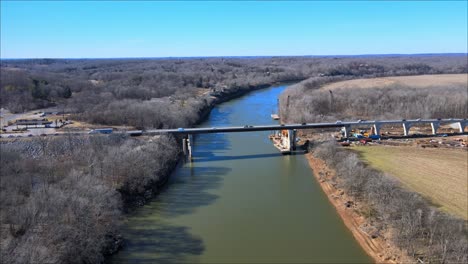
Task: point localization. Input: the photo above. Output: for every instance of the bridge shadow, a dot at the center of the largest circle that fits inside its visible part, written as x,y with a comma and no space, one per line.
206,157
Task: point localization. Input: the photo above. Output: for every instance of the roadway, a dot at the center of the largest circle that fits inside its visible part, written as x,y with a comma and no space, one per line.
338,124
251,128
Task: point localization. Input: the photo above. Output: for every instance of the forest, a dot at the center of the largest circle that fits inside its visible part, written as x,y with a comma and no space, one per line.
157,93
63,198
309,103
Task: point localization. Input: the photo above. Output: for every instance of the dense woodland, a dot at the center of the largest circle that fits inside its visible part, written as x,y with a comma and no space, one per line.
156,93
415,226
67,209
62,198
309,103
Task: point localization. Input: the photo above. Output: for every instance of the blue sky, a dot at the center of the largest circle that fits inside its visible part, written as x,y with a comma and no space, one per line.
104,29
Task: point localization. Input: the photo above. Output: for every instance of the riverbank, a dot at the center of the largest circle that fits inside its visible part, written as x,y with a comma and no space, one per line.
378,247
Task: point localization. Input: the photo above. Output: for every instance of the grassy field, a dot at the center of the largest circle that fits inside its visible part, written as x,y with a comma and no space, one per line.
441,175
418,81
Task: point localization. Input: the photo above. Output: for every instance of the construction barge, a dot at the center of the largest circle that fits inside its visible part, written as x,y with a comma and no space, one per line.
287,142
277,140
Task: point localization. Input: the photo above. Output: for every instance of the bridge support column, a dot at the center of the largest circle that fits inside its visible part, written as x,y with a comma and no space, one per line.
184,147
292,139
435,126
377,127
406,128
346,132
461,126
189,146
187,142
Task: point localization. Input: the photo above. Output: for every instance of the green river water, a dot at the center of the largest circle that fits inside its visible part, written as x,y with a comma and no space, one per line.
240,201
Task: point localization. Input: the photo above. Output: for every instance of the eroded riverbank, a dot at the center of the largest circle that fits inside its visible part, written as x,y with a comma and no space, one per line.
377,247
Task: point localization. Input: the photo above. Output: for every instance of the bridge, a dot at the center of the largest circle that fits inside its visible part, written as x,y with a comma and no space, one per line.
290,128
407,124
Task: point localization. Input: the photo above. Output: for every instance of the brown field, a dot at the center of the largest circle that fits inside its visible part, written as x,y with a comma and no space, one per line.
441,175
418,81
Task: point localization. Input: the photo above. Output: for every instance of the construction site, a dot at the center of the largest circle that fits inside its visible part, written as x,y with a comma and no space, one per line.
426,133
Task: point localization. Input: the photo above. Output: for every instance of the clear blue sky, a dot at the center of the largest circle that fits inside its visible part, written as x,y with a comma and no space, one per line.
104,29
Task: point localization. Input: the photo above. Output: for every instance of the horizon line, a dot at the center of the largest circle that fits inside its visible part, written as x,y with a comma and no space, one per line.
242,56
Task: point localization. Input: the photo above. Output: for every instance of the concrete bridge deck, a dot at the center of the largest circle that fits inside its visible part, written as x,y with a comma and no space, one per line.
288,140
250,128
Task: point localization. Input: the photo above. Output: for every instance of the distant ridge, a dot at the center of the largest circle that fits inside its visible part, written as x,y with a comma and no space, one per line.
254,57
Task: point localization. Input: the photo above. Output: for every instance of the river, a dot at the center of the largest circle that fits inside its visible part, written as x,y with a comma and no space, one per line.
240,201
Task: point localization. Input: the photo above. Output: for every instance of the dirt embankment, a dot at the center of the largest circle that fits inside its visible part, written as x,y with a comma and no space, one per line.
376,245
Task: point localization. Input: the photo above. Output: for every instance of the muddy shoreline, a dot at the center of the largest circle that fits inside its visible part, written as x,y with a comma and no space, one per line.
378,247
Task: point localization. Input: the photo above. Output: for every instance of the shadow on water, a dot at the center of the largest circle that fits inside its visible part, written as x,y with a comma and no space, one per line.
162,243
188,190
152,237
211,157
151,232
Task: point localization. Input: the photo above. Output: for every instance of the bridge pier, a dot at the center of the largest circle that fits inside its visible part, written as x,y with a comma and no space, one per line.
406,128
461,126
291,139
435,126
184,147
187,146
346,131
377,127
